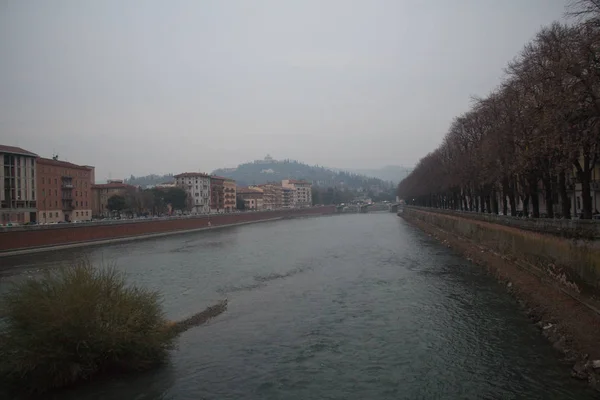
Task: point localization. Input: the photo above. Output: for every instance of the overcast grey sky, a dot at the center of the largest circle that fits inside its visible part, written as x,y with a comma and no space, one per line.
135,87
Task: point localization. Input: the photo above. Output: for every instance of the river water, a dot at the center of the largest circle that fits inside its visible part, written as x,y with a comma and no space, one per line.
359,306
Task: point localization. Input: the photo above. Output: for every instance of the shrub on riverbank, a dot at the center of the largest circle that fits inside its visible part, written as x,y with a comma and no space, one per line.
77,322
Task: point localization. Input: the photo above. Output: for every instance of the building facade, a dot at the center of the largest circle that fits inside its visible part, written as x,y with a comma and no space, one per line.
217,194
252,198
272,196
64,191
197,187
302,192
18,186
229,190
104,191
287,197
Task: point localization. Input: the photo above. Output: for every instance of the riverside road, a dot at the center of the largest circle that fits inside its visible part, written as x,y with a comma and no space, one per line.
354,306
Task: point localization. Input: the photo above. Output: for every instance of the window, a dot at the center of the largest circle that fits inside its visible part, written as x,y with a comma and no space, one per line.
76,204
76,213
86,203
56,192
43,181
55,181
44,215
196,194
86,194
56,203
56,214
43,192
87,213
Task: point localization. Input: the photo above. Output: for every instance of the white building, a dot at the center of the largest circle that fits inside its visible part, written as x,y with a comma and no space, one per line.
197,187
302,192
17,185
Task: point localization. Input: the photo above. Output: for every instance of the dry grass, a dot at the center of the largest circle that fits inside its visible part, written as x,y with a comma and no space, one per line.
79,321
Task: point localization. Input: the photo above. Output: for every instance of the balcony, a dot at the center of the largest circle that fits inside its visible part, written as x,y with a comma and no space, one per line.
67,182
67,205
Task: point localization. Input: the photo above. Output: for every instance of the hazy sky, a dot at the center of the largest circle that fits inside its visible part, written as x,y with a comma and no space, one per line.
135,87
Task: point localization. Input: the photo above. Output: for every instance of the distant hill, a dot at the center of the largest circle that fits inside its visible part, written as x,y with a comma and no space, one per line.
149,180
394,173
269,170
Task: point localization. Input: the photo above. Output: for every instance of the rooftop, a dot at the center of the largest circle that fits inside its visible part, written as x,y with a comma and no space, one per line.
59,163
247,190
16,150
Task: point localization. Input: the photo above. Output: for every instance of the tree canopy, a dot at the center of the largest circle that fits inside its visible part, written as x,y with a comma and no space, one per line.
537,134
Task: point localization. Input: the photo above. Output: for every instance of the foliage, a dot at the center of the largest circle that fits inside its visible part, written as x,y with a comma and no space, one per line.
79,321
537,134
149,180
116,203
259,173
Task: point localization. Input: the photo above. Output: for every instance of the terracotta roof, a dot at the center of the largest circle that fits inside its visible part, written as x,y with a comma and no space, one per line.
16,150
59,163
192,175
222,178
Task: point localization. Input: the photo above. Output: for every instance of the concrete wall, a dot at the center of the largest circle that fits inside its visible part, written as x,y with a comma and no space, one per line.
572,260
50,235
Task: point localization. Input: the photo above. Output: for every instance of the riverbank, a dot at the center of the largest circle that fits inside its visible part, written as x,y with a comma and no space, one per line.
23,240
567,315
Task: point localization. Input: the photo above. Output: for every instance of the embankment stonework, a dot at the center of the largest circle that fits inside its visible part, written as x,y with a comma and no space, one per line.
571,260
45,236
568,318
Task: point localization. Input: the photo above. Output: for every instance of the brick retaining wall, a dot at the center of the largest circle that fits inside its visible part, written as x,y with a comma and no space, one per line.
26,238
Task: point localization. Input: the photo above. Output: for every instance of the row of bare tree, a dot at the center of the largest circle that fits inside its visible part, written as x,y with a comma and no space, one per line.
538,134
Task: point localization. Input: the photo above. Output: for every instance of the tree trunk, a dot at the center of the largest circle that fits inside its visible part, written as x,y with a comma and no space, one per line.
548,197
505,193
526,205
565,200
513,204
535,199
488,204
584,174
495,202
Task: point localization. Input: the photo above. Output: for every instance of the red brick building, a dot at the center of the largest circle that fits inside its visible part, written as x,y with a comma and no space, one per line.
104,191
64,191
217,194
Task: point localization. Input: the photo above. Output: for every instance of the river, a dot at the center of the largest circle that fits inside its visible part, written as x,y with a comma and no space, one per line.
355,306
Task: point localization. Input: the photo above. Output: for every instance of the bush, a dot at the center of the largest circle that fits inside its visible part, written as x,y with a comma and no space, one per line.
77,322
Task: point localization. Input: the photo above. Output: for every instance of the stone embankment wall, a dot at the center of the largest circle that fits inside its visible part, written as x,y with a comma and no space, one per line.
563,256
570,228
19,238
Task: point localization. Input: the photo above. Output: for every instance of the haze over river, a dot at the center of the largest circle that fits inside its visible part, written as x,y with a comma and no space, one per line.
354,306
